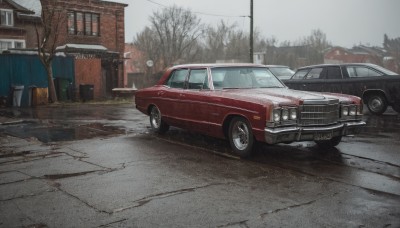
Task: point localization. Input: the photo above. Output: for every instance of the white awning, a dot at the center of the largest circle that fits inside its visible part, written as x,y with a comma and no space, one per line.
82,46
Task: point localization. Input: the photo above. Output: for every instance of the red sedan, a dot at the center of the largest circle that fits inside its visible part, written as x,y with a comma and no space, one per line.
246,103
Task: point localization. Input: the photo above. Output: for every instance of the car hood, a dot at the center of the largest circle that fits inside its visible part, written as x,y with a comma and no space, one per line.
281,96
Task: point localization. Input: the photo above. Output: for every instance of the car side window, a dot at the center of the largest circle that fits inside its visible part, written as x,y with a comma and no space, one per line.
300,74
314,73
334,73
351,71
198,79
177,78
366,72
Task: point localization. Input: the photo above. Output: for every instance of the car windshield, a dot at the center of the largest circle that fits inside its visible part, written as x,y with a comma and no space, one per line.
281,71
244,77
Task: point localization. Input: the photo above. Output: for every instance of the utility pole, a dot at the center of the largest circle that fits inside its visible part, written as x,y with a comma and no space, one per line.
251,33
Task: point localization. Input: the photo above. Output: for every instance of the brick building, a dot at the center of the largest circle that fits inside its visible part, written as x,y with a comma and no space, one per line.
92,31
16,25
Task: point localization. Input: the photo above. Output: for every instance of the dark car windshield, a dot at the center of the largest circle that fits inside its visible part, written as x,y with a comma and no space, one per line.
281,71
244,77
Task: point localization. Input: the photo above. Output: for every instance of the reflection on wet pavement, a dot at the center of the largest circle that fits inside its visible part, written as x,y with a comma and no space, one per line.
47,134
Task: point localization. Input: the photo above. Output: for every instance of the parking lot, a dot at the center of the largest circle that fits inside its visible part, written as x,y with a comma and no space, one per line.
99,165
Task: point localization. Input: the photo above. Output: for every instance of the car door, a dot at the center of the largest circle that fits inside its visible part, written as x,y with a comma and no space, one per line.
172,96
194,110
296,81
314,80
361,78
333,80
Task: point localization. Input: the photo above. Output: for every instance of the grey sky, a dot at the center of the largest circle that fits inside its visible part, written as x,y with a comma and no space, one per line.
345,22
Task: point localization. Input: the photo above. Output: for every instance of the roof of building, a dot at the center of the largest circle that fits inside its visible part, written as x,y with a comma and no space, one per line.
33,5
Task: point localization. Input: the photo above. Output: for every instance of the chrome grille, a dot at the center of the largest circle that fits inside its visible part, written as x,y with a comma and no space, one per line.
319,114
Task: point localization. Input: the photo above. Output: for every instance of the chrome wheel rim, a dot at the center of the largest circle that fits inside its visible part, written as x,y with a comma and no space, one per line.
155,117
376,104
240,135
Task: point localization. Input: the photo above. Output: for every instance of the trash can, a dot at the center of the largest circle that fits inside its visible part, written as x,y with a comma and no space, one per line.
40,96
17,95
86,92
61,85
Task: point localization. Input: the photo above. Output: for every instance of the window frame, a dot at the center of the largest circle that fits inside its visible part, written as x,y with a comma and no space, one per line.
13,43
89,25
9,21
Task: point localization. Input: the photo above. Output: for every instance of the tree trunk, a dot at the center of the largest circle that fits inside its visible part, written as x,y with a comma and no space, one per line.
52,89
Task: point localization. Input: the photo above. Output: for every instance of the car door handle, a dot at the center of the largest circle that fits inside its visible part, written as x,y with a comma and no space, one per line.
181,95
160,93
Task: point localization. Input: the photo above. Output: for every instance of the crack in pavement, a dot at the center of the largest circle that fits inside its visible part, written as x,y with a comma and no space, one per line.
240,224
263,215
147,199
115,222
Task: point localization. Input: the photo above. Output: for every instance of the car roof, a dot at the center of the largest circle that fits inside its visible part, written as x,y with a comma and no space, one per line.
280,66
341,64
208,65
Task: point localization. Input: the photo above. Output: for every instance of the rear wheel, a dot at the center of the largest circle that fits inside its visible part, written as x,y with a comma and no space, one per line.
376,104
156,122
326,144
241,137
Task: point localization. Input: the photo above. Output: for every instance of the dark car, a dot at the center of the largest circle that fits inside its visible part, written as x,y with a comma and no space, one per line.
377,86
246,103
282,72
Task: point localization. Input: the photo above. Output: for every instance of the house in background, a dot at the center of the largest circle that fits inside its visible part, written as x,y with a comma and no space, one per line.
91,31
360,54
17,24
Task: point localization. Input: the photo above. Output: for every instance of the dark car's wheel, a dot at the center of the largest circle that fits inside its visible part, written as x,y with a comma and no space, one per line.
326,144
396,108
157,124
376,104
241,137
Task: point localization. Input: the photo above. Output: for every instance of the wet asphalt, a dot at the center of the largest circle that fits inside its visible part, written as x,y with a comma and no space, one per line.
94,165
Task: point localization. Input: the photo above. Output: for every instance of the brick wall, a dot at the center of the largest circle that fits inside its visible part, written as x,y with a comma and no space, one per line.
112,30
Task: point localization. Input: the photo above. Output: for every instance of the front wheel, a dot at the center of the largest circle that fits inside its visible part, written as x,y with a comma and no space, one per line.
376,104
326,144
157,124
241,137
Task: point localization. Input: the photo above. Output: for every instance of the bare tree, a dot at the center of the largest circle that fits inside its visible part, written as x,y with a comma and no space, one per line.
177,32
216,40
393,47
47,33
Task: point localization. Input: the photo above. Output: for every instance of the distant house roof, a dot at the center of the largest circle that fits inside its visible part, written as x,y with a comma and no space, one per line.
34,6
20,7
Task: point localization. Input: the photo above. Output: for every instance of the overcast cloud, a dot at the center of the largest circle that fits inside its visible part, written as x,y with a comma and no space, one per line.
345,22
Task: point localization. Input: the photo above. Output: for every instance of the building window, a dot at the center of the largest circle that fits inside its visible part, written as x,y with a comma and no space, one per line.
88,24
79,23
83,24
8,44
95,24
71,23
6,17
19,44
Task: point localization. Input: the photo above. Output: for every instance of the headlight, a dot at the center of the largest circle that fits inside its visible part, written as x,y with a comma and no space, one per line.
293,114
285,114
353,110
345,110
277,115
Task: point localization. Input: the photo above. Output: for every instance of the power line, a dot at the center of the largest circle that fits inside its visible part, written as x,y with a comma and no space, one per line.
201,13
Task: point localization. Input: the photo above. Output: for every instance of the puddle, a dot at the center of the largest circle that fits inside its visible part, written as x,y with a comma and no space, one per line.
48,134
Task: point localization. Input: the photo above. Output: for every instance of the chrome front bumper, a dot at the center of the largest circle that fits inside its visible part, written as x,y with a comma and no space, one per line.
291,134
